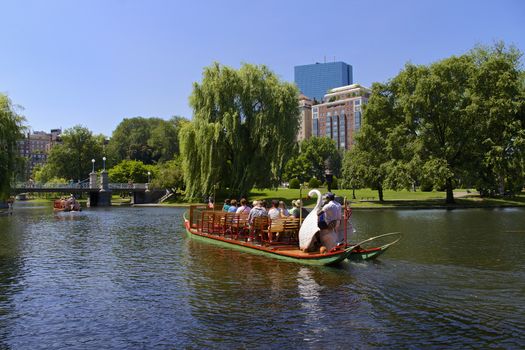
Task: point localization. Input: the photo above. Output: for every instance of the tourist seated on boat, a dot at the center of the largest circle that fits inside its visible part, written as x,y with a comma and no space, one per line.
297,209
257,211
226,205
211,203
244,208
331,211
329,222
233,206
282,210
274,212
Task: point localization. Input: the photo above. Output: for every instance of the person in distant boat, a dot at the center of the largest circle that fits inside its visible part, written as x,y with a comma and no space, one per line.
73,203
233,206
274,212
10,202
226,205
257,211
244,208
297,209
283,211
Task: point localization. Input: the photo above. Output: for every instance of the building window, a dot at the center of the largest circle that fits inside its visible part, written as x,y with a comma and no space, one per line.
342,131
335,129
357,120
357,102
316,127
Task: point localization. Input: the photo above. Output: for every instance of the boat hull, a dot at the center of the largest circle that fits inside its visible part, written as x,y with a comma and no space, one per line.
290,255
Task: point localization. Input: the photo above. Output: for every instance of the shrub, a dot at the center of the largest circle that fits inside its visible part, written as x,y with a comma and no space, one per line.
426,186
314,183
294,183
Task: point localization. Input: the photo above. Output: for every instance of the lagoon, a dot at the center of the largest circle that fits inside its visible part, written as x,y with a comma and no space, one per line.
125,278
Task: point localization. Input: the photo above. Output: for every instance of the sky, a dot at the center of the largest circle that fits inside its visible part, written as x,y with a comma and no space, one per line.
94,63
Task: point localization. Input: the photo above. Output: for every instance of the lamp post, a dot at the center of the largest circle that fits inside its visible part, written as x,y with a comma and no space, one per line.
104,163
149,174
328,174
93,162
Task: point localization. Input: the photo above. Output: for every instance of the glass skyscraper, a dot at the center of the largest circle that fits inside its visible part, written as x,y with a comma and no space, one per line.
314,80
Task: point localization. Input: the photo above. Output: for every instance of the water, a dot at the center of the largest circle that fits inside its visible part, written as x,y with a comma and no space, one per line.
129,278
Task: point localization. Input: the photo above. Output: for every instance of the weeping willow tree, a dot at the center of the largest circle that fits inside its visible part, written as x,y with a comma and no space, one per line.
10,133
243,130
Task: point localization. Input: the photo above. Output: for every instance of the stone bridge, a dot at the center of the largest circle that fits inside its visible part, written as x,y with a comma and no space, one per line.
98,190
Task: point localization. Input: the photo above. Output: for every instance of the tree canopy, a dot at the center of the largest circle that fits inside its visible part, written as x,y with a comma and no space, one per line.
10,132
311,160
131,170
243,130
458,120
71,159
149,140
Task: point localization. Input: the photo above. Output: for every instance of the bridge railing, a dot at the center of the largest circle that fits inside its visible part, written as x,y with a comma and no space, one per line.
77,185
38,185
126,186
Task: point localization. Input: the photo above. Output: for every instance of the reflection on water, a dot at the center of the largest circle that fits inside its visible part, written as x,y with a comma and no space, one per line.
130,278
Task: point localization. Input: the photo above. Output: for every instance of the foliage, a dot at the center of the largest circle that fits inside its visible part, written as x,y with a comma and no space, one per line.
335,183
131,171
459,120
244,127
311,160
71,159
169,175
10,132
499,103
149,140
314,183
294,183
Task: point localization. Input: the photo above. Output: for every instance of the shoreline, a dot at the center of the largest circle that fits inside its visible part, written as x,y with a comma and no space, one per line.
358,208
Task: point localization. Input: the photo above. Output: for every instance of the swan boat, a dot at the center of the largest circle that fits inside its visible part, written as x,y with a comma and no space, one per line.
232,231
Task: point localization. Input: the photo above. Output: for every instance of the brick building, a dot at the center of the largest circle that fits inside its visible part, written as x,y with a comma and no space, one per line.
36,146
339,116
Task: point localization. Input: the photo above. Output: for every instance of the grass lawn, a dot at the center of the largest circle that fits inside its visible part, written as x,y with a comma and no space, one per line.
365,198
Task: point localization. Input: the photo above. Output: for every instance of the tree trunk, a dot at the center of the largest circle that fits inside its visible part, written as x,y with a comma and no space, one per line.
353,193
450,193
380,192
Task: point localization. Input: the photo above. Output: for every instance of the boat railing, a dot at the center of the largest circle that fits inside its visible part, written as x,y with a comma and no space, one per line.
236,226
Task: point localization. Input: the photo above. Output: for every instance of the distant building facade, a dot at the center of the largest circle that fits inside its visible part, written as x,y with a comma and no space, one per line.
36,146
305,126
315,80
340,114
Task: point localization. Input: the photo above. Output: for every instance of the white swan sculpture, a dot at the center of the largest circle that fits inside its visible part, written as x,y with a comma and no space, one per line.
309,227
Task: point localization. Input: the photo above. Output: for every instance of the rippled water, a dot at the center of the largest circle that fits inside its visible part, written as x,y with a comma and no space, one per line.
128,278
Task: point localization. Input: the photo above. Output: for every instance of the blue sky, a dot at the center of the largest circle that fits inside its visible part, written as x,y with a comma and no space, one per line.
96,62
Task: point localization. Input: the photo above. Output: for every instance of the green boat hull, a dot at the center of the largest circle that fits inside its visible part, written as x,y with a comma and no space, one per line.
324,260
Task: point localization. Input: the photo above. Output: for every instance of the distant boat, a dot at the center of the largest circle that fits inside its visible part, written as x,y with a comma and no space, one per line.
21,197
232,231
63,205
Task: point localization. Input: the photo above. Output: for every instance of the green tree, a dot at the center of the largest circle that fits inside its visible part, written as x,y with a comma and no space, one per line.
10,132
311,160
243,130
381,144
498,103
72,158
150,140
169,175
132,171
